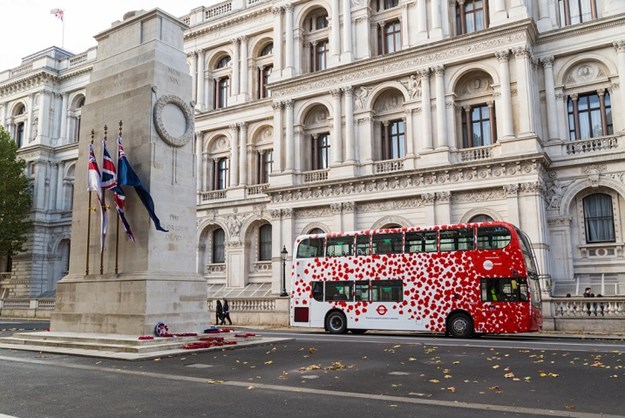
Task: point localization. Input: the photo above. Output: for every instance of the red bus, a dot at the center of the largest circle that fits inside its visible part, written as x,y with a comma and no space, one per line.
457,279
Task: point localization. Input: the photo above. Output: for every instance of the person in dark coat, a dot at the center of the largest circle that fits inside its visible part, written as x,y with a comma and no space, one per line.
226,314
219,314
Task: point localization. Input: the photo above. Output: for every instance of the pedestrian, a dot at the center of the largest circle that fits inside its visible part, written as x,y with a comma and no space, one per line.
219,313
226,314
588,294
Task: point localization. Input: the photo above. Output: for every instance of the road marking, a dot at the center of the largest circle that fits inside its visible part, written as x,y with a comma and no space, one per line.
333,393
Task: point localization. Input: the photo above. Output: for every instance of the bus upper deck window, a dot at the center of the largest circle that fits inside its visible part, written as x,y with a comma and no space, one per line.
457,239
386,243
420,242
339,246
492,237
362,245
310,248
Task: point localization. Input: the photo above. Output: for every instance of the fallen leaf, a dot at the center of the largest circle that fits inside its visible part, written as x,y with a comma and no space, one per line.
269,362
434,381
451,389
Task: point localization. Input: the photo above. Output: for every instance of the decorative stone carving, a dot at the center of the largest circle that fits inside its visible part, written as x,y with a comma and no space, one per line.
361,94
170,105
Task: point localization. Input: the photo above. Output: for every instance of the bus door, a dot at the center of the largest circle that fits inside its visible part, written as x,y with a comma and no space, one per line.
504,299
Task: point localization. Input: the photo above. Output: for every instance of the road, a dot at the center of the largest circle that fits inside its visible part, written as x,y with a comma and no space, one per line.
320,375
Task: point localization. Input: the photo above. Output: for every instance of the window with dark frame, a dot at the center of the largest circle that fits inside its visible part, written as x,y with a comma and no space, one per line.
393,139
320,151
389,36
219,238
478,125
573,12
264,243
598,218
471,16
590,115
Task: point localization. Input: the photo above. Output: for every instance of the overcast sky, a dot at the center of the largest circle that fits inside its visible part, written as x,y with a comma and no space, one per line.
28,26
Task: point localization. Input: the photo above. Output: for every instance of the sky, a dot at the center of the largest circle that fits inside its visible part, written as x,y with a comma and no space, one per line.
28,26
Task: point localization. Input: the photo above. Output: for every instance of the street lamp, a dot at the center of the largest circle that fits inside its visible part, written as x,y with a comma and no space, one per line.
283,255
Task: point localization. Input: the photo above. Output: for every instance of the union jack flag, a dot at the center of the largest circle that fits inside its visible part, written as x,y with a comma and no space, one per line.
109,174
57,13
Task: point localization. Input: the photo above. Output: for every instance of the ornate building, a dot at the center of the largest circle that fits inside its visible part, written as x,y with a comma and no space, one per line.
347,115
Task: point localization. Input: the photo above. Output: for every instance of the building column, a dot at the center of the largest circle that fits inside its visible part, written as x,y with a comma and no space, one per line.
200,98
289,135
441,123
436,30
337,143
277,42
64,103
277,137
58,193
512,195
550,97
193,69
500,14
349,124
544,20
242,153
236,71
409,135
522,56
198,161
619,47
506,94
335,30
561,113
206,172
234,155
422,19
244,69
346,56
426,113
405,24
289,39
54,177
450,107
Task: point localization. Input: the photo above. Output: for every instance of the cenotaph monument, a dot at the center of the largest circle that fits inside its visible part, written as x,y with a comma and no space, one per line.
140,77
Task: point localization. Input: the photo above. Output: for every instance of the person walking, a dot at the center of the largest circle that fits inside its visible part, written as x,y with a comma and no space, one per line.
219,314
226,314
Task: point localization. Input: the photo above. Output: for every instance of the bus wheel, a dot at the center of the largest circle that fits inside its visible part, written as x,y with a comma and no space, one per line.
460,325
336,323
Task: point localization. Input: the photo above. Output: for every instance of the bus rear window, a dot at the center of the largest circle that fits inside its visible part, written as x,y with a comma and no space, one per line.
492,237
310,247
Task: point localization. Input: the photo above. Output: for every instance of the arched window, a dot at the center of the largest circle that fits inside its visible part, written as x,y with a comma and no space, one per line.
219,240
265,165
221,174
316,39
20,124
264,243
320,151
471,16
316,231
475,110
481,218
386,4
590,115
393,139
598,218
221,75
264,64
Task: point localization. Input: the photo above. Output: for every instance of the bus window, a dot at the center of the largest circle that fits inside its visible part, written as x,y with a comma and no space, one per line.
317,291
492,237
422,241
386,243
362,291
339,246
310,247
457,239
339,291
504,290
387,291
362,245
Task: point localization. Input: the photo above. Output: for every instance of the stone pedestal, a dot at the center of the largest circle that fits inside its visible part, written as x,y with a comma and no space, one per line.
141,78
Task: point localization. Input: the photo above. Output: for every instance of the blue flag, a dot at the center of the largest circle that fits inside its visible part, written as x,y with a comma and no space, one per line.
126,176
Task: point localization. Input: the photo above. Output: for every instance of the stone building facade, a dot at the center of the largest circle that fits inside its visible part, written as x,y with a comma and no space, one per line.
348,115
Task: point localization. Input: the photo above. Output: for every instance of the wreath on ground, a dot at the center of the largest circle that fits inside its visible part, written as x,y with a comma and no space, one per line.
161,329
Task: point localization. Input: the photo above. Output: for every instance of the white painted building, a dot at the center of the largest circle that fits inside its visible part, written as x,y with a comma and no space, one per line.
347,115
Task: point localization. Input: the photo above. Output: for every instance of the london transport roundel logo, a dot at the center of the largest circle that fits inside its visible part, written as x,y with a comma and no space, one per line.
381,309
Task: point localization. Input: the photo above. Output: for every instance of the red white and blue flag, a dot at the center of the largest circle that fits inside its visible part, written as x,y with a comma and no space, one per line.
128,177
109,182
57,13
93,174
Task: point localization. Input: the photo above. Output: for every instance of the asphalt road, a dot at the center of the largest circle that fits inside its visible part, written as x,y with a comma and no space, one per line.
320,375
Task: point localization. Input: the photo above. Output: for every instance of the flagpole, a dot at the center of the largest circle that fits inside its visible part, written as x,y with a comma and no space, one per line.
103,214
89,220
117,225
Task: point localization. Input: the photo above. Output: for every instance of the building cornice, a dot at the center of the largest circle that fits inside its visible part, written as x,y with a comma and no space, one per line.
27,82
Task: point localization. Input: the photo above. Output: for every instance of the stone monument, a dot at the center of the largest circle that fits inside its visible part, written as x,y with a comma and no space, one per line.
140,77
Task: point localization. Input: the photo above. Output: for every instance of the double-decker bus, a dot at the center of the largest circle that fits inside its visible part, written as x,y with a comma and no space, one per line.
462,280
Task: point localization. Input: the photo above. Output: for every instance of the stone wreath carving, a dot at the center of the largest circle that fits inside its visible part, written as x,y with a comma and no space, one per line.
160,125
